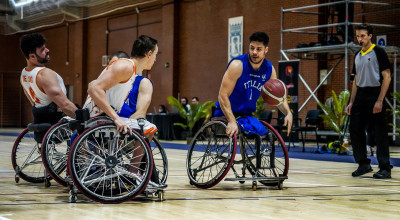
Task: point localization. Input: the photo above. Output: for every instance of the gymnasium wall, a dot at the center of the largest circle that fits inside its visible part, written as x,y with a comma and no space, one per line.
193,48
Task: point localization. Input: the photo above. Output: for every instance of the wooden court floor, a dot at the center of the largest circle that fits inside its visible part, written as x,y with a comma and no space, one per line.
314,190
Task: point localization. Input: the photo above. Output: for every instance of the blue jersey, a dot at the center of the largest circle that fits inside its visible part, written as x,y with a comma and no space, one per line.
248,87
129,107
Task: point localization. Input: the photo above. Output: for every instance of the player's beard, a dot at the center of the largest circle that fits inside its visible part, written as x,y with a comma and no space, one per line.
253,62
44,60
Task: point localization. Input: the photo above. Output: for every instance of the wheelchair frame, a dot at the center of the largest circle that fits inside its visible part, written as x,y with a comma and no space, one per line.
211,154
100,160
26,158
56,144
157,158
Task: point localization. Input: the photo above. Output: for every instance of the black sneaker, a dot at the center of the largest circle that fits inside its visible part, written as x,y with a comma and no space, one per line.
362,169
383,174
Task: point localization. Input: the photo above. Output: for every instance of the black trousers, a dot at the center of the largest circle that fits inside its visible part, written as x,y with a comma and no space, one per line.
361,114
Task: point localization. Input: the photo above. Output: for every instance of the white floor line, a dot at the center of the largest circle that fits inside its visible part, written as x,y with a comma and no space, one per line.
347,176
4,218
355,187
8,142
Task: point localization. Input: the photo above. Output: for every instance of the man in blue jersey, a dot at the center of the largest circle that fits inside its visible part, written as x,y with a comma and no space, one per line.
241,87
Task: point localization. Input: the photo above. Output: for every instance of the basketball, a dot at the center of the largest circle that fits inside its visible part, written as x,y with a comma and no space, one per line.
274,92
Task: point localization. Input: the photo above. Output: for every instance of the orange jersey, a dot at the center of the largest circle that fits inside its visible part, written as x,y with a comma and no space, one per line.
29,84
115,96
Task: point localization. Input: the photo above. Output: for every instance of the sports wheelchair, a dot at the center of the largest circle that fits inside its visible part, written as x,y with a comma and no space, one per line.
25,155
110,167
40,151
212,153
57,141
57,146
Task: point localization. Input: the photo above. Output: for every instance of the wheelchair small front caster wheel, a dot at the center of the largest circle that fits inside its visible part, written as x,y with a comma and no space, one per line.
161,196
47,183
72,199
254,186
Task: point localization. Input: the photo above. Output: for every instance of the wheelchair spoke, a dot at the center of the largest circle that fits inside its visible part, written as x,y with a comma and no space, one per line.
28,160
210,155
273,156
108,168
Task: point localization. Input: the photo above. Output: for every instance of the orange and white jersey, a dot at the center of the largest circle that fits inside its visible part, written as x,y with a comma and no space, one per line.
115,96
29,83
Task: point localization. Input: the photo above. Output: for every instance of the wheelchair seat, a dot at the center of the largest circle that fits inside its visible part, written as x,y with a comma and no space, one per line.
41,127
39,130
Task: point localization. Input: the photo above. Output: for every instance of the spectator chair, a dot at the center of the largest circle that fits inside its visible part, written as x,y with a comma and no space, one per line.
312,122
266,116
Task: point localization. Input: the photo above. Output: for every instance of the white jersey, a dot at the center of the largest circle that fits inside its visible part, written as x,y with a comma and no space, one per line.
115,96
29,83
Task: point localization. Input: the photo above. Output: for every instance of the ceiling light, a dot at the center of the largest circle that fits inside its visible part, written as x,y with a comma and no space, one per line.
20,3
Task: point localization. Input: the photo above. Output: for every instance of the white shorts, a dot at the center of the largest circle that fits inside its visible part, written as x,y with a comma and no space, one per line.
148,127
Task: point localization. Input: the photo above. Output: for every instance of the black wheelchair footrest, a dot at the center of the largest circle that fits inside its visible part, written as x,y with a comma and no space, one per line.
266,179
39,127
151,186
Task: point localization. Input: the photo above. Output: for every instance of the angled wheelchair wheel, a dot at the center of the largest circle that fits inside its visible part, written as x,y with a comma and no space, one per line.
109,167
26,158
160,160
210,155
273,154
55,148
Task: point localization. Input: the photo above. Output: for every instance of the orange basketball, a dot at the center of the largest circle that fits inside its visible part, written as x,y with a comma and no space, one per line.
274,92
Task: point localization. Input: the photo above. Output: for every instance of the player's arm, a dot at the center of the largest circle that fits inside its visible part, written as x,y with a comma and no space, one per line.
284,108
144,99
385,86
120,71
47,81
229,80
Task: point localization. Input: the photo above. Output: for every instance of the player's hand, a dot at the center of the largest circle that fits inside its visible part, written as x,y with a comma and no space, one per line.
377,107
288,122
348,108
122,126
231,129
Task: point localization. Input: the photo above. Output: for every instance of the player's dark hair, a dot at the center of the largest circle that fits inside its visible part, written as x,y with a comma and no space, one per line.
30,42
195,97
187,100
120,54
260,37
366,27
142,45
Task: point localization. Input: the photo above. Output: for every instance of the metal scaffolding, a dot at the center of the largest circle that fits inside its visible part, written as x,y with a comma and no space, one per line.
345,50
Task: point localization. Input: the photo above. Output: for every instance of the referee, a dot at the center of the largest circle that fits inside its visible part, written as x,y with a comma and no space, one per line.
372,78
